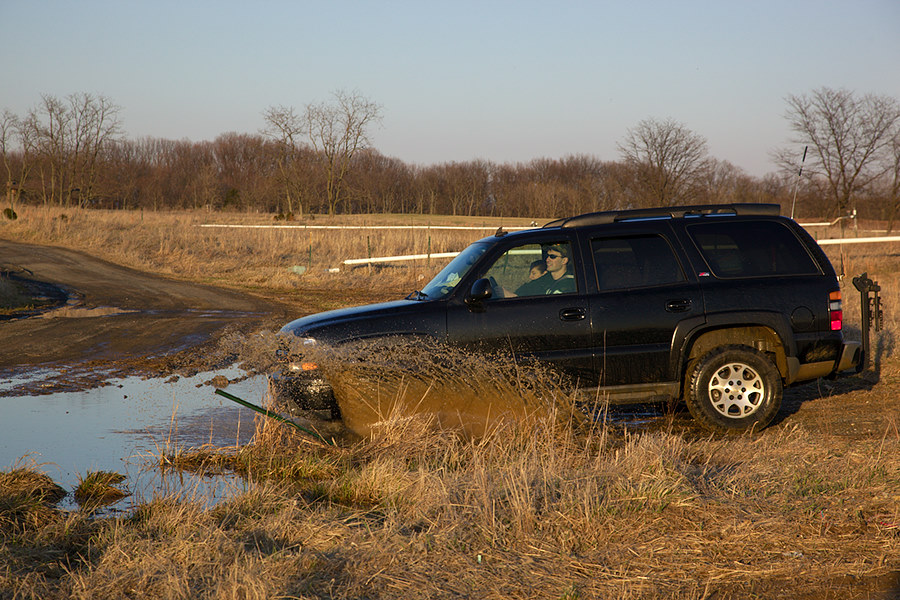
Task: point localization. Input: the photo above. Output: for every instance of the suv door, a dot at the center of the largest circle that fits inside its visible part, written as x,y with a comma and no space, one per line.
641,294
545,320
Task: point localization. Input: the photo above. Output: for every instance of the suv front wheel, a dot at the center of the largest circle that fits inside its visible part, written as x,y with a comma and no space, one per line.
734,388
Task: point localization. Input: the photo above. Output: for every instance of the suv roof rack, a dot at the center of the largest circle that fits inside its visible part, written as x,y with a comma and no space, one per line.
667,212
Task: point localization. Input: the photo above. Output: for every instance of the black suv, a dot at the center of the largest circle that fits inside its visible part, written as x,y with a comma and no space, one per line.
720,305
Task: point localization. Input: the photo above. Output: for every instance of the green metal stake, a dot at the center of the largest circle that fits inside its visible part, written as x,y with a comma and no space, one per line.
269,413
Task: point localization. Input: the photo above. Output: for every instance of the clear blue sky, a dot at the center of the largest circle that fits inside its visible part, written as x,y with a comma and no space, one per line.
503,81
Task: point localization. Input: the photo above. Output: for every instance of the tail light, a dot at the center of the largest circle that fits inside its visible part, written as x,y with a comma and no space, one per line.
835,313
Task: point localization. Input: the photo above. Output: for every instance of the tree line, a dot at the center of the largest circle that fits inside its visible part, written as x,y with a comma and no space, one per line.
319,159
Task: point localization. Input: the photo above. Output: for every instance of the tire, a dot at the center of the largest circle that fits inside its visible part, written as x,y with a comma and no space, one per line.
734,388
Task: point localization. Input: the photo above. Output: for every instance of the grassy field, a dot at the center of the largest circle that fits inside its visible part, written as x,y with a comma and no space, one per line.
543,507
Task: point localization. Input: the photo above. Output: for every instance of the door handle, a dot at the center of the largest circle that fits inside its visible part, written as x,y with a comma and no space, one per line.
680,305
571,314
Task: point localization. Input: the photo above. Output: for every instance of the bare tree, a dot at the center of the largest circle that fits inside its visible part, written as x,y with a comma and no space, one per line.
337,130
668,159
725,182
893,178
69,137
95,123
17,157
846,135
50,124
286,128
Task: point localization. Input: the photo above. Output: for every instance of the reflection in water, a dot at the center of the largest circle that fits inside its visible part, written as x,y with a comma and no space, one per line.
121,427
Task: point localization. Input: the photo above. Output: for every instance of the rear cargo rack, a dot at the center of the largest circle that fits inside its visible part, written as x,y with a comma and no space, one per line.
668,212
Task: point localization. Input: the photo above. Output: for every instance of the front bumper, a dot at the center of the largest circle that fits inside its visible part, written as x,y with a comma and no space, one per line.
305,391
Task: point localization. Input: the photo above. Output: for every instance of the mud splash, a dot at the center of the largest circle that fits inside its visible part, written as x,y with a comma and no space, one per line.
378,382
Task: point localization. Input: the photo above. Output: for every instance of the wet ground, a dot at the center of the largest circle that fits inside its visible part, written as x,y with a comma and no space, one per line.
124,427
96,359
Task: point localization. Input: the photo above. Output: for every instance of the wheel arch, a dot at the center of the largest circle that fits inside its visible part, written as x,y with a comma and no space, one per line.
761,337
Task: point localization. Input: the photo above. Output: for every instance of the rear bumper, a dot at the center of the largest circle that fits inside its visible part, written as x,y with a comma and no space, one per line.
850,357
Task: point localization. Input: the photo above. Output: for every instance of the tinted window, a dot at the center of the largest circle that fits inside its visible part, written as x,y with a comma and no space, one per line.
748,249
634,261
534,270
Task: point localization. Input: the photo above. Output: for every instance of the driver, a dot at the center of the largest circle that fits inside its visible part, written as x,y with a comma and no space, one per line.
557,279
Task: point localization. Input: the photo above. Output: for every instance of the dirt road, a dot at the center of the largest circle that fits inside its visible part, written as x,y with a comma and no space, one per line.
115,316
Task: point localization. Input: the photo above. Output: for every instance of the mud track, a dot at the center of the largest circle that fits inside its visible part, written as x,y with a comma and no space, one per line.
103,316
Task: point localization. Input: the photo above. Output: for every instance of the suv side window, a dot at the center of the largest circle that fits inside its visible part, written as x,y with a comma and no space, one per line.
752,249
534,270
634,261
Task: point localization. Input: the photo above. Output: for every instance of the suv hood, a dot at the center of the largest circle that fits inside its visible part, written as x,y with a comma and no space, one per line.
335,325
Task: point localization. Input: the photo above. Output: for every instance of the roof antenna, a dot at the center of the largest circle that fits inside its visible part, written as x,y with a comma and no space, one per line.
797,182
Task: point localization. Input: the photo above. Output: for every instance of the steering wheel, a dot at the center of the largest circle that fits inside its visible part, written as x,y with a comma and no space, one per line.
496,288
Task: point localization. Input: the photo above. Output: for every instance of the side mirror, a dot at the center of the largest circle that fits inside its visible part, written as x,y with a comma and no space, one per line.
481,290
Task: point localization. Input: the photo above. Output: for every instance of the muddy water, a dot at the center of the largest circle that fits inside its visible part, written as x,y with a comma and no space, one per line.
126,425
122,427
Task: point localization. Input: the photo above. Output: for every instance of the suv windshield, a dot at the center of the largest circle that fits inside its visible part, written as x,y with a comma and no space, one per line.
445,281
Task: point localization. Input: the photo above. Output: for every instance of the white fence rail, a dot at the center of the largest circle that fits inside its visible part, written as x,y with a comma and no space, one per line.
360,227
862,240
384,259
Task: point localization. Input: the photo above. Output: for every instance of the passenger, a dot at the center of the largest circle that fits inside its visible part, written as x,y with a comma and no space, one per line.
538,268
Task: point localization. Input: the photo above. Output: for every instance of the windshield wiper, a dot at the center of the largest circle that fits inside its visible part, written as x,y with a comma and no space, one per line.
417,295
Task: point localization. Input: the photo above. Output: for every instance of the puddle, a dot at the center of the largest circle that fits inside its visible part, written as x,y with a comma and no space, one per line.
121,426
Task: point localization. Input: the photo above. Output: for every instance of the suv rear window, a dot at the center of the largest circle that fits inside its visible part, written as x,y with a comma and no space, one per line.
752,249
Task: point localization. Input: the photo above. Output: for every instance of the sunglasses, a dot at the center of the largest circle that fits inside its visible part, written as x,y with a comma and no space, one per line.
554,256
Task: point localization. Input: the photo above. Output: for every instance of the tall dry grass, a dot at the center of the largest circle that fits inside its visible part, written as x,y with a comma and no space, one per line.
545,510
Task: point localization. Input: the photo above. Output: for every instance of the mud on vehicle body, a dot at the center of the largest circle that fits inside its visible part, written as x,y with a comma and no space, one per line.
718,305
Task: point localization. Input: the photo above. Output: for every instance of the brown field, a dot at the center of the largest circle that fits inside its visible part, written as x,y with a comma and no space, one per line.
546,507
260,261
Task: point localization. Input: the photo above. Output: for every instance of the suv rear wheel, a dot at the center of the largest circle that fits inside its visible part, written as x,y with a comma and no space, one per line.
734,388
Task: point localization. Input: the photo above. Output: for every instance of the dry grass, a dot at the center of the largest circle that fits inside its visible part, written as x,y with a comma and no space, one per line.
544,507
546,510
27,497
